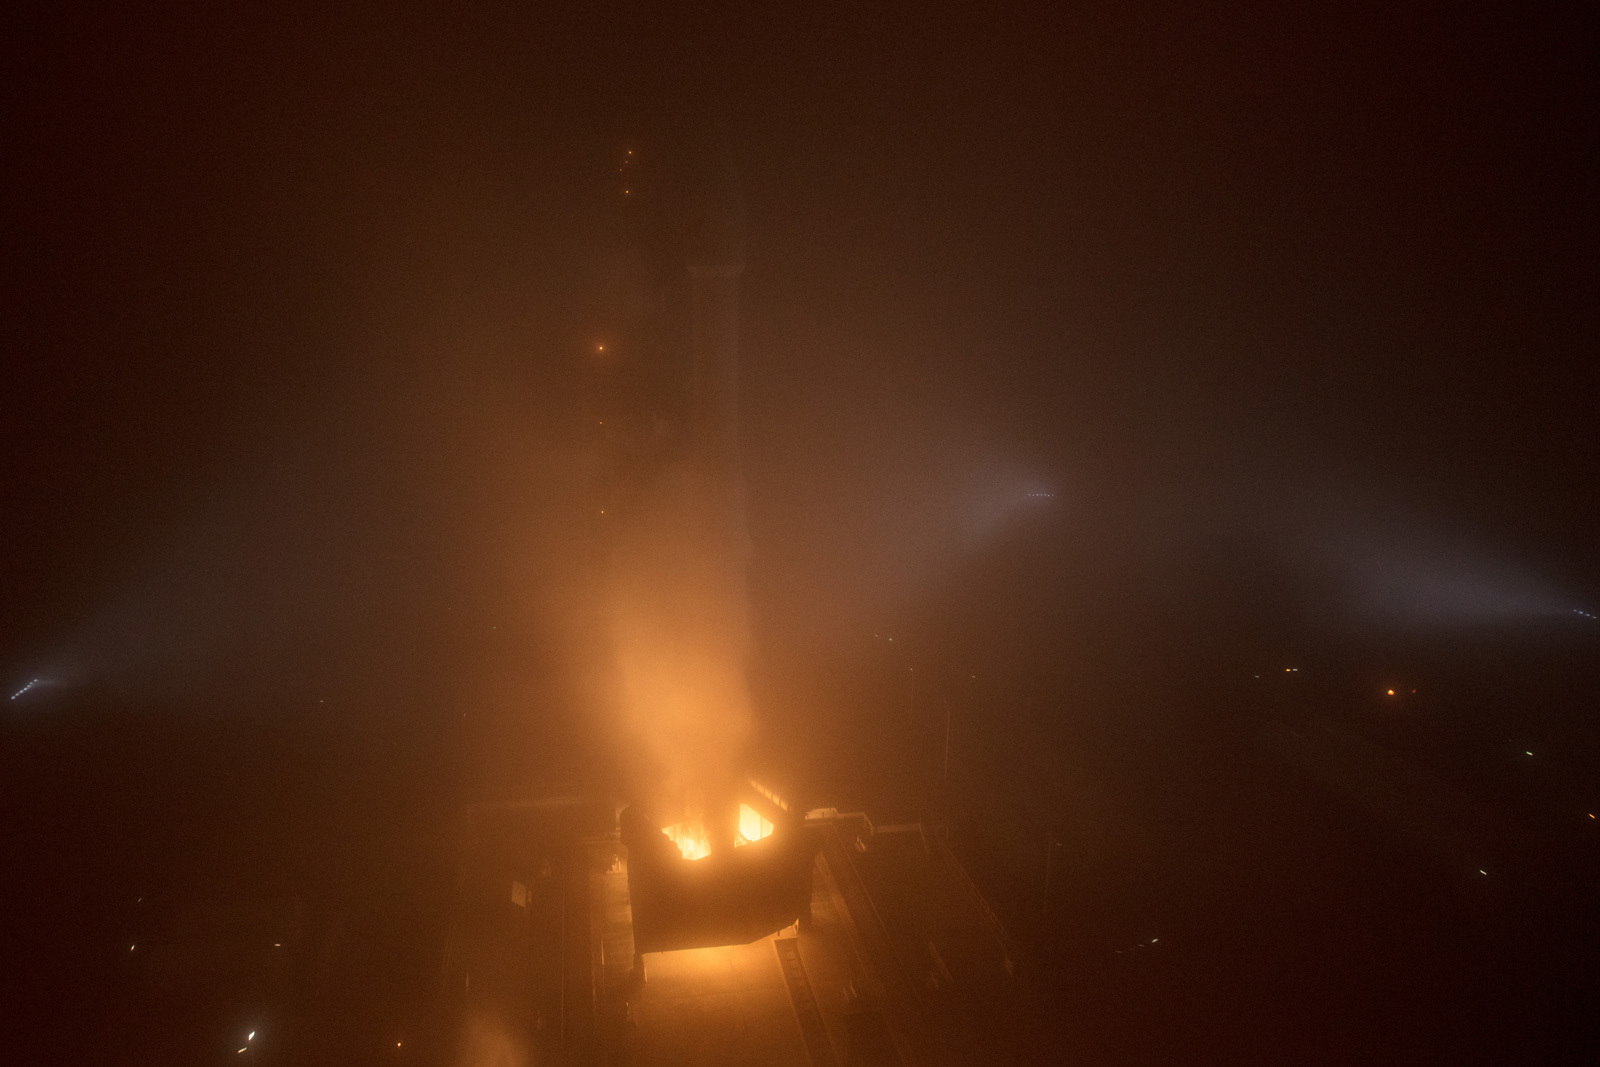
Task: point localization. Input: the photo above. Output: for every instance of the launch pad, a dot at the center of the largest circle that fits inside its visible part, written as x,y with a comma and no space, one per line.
807,993
890,961
744,930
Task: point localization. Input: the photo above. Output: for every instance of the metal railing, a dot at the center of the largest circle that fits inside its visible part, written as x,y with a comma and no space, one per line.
1008,944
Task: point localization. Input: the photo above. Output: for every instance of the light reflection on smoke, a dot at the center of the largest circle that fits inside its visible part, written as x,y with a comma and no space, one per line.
1412,575
488,1042
1448,589
681,633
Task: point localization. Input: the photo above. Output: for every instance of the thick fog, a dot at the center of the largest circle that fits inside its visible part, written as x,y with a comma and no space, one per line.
303,336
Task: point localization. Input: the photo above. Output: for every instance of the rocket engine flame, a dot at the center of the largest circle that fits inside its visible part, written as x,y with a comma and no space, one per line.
692,840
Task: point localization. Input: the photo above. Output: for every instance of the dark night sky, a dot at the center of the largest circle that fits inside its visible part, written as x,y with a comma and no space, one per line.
312,290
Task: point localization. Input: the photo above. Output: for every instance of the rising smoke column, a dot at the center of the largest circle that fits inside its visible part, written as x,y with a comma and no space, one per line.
680,547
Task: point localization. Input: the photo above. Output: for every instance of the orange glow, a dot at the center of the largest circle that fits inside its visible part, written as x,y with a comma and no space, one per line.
690,835
691,840
752,827
1391,692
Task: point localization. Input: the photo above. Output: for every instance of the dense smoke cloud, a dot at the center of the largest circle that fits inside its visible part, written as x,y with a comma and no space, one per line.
682,638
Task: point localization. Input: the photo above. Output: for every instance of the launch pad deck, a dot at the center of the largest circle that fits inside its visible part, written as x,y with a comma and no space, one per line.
897,965
842,988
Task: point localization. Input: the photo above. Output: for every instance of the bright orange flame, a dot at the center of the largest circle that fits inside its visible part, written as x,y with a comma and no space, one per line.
691,840
1391,692
752,827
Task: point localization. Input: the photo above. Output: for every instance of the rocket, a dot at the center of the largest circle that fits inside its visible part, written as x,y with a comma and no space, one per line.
680,554
714,258
715,261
